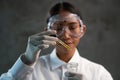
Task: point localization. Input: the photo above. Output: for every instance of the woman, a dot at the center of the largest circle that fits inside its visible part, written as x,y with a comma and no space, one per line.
64,31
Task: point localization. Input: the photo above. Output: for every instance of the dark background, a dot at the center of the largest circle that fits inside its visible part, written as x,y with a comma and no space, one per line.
22,18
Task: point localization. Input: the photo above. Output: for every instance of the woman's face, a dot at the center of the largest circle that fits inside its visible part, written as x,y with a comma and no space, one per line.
68,29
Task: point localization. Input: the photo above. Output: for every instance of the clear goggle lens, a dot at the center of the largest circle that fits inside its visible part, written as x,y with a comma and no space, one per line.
70,23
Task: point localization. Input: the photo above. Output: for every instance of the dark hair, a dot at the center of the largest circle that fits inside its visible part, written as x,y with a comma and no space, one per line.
63,6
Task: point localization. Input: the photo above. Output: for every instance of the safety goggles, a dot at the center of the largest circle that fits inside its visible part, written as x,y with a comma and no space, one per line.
71,23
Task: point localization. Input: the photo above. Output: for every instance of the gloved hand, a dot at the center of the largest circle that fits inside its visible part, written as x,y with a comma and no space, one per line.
74,76
36,43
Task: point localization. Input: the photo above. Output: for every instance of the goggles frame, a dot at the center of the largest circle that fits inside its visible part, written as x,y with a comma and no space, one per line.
67,17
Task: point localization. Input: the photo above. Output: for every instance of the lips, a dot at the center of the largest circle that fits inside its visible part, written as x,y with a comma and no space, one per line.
68,41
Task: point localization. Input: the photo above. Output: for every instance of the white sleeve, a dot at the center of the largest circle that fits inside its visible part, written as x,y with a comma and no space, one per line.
104,74
19,71
6,76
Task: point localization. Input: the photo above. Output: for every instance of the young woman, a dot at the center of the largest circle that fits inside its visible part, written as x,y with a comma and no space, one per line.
64,31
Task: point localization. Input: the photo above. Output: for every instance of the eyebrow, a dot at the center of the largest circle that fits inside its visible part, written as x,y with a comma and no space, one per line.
73,22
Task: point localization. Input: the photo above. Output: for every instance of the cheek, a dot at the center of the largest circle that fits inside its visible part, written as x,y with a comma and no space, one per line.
76,41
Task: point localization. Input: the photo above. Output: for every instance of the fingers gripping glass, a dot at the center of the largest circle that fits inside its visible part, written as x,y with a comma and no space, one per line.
70,23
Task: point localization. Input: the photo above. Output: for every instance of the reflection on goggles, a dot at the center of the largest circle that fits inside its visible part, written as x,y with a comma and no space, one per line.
69,17
70,23
71,28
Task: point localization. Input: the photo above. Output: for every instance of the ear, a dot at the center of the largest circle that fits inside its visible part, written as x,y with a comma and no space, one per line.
83,30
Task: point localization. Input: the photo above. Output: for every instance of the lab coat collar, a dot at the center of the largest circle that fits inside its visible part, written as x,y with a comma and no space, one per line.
55,62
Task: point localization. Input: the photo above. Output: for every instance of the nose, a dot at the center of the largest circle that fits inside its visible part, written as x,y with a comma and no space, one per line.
65,32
